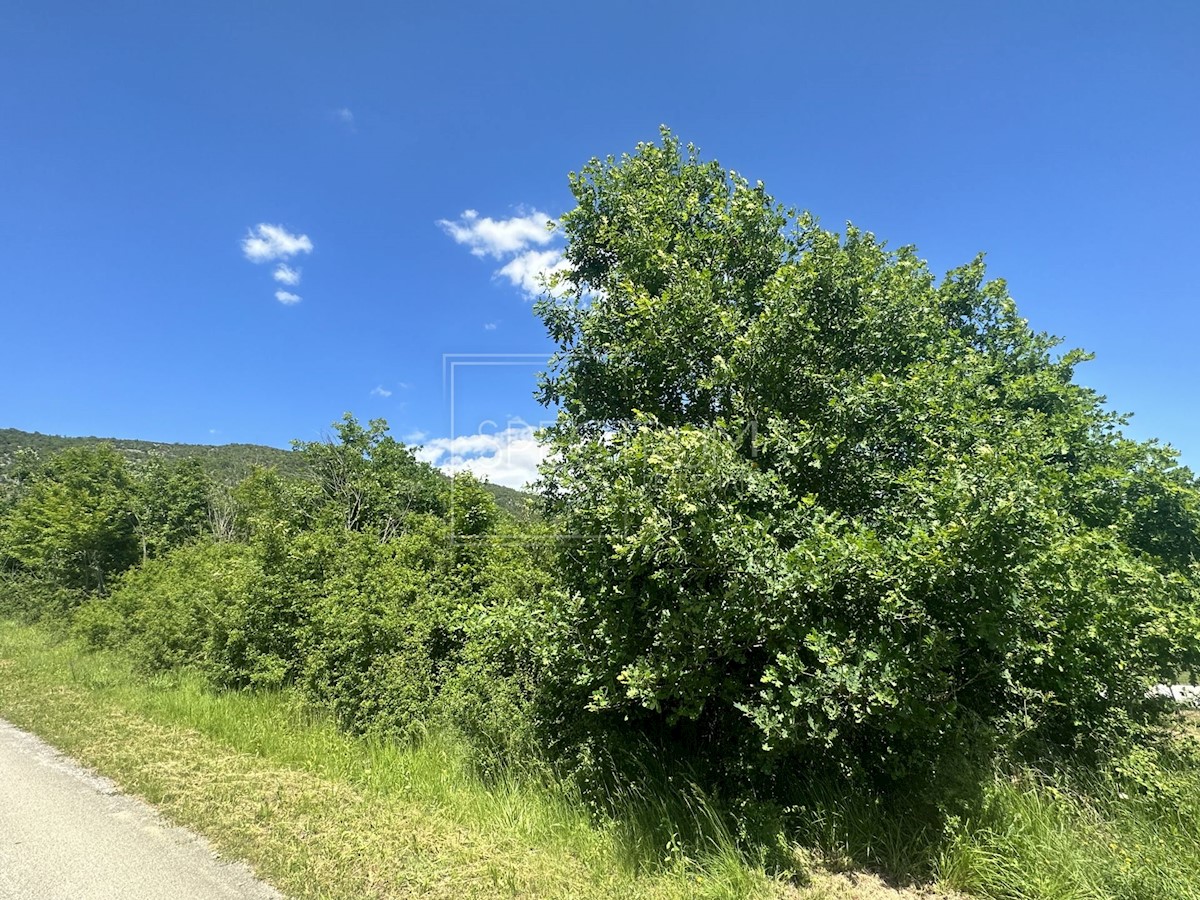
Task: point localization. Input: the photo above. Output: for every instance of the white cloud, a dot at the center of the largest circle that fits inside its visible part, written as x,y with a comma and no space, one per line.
531,271
499,237
285,274
380,391
489,326
414,437
516,241
265,243
509,457
287,298
345,115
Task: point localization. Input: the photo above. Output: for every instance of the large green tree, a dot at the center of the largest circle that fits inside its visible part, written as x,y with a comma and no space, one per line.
820,505
170,503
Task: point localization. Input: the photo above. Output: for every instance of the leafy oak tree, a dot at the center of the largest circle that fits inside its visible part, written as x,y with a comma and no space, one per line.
823,507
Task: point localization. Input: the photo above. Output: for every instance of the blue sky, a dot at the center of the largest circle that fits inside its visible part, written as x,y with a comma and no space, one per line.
143,144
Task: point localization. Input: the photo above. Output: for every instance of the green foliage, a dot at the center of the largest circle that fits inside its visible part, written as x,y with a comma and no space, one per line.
473,510
405,633
226,463
197,606
370,480
26,597
170,504
387,598
376,635
268,509
73,522
823,510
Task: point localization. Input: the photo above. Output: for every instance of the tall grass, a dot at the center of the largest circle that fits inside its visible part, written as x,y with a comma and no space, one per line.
529,828
1131,833
656,827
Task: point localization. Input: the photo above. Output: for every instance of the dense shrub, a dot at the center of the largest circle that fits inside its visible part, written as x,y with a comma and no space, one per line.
375,631
821,509
198,606
392,625
29,598
416,631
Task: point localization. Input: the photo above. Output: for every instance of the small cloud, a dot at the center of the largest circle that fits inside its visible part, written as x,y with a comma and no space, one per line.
287,298
265,243
344,115
517,242
499,237
380,391
415,437
489,326
403,385
285,274
214,431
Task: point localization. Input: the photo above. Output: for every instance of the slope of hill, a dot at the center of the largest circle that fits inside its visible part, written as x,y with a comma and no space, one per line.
227,463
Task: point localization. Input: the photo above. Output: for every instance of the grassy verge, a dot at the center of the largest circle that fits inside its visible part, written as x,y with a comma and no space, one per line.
322,814
1131,833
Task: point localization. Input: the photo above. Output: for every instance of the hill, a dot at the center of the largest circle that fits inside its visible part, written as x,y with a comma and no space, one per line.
226,463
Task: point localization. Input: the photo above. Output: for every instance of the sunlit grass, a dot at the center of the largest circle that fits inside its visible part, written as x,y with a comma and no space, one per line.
1076,835
325,814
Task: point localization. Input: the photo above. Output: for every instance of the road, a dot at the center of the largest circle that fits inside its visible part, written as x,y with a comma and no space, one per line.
68,834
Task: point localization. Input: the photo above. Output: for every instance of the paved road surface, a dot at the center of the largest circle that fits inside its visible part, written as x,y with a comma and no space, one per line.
67,834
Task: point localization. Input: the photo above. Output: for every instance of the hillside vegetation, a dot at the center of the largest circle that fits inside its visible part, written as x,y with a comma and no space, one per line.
223,463
838,567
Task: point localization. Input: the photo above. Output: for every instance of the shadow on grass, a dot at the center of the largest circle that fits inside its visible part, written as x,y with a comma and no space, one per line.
669,805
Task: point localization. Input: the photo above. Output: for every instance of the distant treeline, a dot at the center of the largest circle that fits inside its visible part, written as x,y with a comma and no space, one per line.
225,463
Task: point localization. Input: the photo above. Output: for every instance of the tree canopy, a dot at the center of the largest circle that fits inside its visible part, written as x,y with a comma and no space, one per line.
819,500
74,520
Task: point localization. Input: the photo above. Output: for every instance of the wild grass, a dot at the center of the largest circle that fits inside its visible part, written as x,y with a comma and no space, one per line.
321,813
1130,832
324,814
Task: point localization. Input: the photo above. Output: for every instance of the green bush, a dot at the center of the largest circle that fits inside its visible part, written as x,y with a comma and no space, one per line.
416,631
504,593
375,632
820,510
73,521
30,598
196,606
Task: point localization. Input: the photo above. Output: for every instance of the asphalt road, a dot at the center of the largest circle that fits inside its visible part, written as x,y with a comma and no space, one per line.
68,834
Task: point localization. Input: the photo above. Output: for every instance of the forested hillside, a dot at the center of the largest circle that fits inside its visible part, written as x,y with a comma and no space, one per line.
225,463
